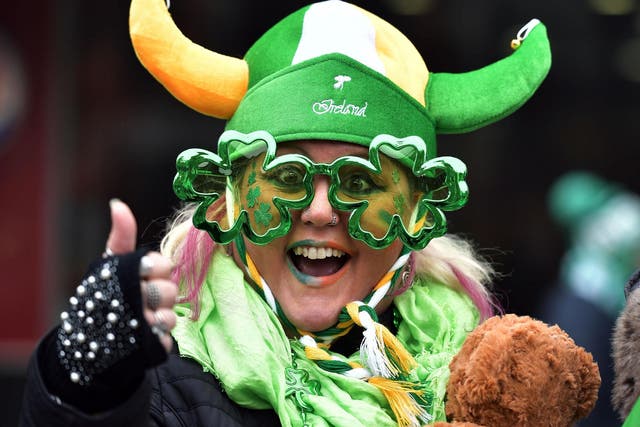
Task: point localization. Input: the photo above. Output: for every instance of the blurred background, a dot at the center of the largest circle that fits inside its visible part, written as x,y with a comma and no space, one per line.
82,122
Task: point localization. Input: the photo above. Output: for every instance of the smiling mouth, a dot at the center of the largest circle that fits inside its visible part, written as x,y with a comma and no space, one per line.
318,261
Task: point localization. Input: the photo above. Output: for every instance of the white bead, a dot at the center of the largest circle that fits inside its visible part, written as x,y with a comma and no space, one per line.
105,273
64,315
112,317
73,301
67,327
110,337
81,338
80,314
81,290
75,377
98,295
66,343
91,279
133,323
115,303
94,346
90,305
89,321
77,355
91,355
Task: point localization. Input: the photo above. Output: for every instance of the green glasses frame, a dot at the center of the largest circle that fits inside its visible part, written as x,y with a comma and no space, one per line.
202,176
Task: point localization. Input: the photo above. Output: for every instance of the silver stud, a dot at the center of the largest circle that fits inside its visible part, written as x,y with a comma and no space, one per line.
132,340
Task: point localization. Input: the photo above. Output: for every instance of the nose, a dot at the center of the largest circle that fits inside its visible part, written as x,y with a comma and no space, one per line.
320,212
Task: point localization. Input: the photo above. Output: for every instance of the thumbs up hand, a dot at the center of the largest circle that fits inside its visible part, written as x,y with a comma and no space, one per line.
158,291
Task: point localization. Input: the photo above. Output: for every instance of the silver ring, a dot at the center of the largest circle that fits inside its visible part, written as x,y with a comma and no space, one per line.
153,295
334,219
159,327
146,265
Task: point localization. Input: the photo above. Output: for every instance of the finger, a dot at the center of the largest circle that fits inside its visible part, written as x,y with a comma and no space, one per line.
163,318
154,265
166,342
161,323
159,293
122,237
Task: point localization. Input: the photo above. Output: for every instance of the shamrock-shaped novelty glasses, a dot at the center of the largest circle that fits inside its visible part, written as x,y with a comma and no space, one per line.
396,193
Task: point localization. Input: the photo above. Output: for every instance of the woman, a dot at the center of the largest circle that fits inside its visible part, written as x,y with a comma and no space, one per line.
315,284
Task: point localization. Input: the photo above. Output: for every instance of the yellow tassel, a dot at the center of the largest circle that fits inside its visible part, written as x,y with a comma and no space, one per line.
386,278
315,353
400,356
398,393
352,310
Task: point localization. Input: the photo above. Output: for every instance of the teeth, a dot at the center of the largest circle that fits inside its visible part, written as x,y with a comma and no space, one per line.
313,252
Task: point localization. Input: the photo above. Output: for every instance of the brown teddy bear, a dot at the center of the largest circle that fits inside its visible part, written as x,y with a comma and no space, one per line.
518,371
626,351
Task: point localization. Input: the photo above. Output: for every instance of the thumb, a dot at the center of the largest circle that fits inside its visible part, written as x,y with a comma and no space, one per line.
122,237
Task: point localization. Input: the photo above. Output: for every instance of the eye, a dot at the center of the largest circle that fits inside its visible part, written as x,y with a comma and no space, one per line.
287,176
358,184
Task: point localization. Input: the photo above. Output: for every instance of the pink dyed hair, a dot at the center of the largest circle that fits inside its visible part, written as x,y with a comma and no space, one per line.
486,304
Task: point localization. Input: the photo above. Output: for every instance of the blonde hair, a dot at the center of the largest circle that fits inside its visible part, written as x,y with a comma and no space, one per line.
450,260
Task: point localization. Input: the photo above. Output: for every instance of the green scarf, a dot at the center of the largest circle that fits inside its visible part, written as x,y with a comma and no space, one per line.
238,338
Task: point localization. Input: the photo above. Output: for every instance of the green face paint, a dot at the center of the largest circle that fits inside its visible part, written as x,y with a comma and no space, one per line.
252,196
389,195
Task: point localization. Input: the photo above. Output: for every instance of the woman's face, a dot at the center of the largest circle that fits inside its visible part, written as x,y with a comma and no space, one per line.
317,268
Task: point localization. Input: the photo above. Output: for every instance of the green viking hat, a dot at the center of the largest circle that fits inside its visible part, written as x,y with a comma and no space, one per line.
334,71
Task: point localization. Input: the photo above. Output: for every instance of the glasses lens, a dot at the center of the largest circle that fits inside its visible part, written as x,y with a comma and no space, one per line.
260,191
389,192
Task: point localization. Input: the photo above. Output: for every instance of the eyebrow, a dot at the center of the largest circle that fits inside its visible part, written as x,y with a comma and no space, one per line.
299,150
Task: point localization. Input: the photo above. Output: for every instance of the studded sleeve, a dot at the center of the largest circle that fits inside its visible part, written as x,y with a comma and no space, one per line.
90,370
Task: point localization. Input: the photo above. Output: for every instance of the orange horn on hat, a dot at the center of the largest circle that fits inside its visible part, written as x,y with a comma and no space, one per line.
208,82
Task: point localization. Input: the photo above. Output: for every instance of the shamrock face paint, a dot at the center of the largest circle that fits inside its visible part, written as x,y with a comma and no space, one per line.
395,193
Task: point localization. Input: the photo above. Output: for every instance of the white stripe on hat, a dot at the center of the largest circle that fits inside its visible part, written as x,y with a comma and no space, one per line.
337,27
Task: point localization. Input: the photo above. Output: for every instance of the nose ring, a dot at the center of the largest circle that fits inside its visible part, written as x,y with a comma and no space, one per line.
334,217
